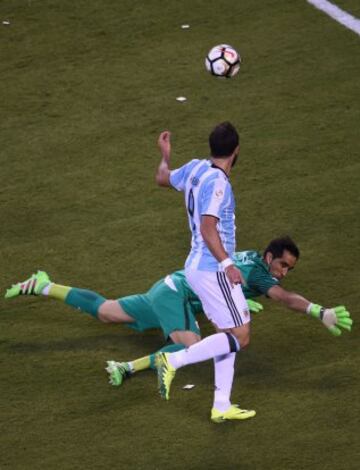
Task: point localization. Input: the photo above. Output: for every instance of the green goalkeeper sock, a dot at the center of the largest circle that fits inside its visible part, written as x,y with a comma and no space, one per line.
83,299
86,300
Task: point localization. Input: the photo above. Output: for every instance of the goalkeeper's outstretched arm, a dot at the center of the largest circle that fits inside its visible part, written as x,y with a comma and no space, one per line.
333,318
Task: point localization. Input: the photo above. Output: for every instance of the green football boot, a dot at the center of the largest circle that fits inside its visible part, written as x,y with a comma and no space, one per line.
232,413
118,372
166,373
32,286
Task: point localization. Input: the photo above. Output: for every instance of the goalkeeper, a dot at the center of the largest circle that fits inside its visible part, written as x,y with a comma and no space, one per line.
171,305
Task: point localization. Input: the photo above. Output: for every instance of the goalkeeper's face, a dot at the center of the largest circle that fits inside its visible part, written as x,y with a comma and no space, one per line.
280,267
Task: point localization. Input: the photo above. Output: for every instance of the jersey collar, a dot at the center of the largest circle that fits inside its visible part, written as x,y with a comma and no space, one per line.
218,168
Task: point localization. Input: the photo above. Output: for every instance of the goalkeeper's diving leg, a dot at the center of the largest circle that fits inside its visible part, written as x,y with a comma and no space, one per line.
39,284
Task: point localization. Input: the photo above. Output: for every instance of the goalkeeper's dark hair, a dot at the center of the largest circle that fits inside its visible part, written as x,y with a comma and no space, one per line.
223,140
277,246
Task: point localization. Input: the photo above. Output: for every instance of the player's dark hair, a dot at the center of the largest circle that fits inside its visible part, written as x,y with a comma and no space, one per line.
223,140
277,246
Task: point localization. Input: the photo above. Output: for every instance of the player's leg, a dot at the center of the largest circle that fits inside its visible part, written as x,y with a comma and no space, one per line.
212,346
227,309
239,336
180,340
141,310
175,318
224,373
111,311
119,371
82,299
175,313
185,337
222,311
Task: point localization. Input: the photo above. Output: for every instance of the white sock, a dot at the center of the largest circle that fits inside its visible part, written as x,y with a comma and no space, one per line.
224,374
46,289
208,348
131,367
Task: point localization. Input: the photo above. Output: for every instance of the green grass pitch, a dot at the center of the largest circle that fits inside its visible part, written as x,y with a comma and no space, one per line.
85,89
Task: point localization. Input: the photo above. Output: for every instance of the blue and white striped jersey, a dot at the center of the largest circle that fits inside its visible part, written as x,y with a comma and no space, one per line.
207,192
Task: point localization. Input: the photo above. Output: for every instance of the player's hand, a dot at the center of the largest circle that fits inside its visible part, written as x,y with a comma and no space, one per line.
164,143
336,318
333,318
254,307
234,275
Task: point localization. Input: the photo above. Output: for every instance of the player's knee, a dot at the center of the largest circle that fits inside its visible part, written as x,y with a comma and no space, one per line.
187,338
103,317
243,339
242,335
105,311
244,342
237,341
111,312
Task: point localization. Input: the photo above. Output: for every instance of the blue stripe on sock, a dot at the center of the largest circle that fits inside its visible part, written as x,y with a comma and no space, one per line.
233,343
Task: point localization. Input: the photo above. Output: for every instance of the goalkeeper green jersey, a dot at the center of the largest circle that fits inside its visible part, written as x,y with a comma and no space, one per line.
256,273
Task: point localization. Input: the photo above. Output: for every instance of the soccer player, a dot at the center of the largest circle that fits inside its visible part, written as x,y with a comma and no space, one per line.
169,305
209,268
172,306
262,276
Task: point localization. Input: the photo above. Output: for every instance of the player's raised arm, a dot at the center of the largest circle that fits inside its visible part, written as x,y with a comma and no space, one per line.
333,318
163,171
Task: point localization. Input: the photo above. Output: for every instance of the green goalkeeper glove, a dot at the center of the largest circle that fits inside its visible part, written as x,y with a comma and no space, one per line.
254,307
333,318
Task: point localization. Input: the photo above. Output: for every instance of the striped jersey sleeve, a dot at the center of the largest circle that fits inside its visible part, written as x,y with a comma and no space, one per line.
215,194
179,176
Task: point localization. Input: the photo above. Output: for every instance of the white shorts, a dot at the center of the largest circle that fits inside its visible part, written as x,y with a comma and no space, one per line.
225,306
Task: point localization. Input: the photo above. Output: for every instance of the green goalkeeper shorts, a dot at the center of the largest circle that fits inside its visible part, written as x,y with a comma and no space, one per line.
161,307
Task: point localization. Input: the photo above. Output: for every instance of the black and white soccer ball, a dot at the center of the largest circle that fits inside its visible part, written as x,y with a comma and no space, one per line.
223,61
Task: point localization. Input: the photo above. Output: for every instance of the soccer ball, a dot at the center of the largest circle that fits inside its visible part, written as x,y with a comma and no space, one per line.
223,61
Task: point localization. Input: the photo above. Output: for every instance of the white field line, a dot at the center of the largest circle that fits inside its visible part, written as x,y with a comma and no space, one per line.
337,14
